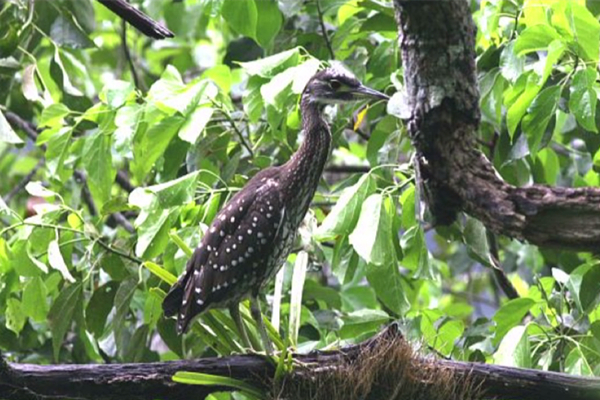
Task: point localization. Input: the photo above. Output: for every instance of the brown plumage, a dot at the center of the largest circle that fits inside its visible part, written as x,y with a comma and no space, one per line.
252,235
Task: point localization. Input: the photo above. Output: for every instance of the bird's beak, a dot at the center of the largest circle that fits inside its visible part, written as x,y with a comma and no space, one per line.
364,92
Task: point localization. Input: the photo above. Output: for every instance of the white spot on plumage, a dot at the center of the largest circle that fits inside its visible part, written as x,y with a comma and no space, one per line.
241,259
263,241
212,229
259,235
200,302
255,219
233,263
249,231
209,248
196,272
241,208
222,217
228,250
215,266
268,215
197,290
251,249
254,225
184,302
240,238
234,246
232,219
221,233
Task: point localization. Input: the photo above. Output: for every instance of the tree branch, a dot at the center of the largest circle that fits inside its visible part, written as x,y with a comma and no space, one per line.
137,19
415,373
437,44
324,30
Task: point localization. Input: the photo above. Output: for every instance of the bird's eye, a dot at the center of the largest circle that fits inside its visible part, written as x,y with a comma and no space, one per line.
335,84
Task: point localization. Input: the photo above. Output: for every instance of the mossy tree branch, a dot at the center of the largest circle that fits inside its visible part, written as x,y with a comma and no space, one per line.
384,364
437,41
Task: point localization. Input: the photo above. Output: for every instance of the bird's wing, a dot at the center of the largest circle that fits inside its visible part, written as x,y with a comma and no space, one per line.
223,262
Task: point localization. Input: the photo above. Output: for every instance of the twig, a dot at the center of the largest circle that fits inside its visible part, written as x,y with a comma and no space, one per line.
123,180
85,192
348,169
136,79
324,30
26,179
501,278
238,132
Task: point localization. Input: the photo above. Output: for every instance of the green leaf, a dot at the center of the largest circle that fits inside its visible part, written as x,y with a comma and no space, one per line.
270,66
61,77
171,95
575,20
514,350
538,116
492,87
372,237
99,307
62,314
116,93
511,315
57,262
7,134
577,364
196,378
15,317
511,65
54,114
416,255
57,151
242,16
343,217
589,292
195,123
475,237
160,272
66,33
519,107
582,102
150,144
269,21
535,38
550,165
387,282
35,305
122,300
97,160
152,308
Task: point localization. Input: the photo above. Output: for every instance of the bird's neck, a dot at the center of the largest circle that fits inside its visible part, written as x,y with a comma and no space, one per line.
305,167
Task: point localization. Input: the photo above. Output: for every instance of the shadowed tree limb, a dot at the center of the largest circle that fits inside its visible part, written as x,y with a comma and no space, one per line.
437,41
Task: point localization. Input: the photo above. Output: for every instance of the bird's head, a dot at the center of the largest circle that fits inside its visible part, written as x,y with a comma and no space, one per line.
336,85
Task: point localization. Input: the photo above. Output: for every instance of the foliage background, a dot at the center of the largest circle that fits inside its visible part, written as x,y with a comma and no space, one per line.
115,155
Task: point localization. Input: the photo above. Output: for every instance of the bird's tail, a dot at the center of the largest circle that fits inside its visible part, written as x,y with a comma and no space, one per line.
185,300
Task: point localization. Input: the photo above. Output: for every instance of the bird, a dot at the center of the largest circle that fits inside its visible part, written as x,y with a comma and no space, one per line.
137,19
252,236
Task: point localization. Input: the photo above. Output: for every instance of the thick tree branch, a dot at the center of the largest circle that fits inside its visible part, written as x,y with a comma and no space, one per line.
437,44
416,374
137,19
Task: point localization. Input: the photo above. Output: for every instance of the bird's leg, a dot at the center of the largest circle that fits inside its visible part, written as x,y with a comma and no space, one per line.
256,314
234,311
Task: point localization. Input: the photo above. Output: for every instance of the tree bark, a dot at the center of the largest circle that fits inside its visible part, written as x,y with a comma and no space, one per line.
153,380
437,41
